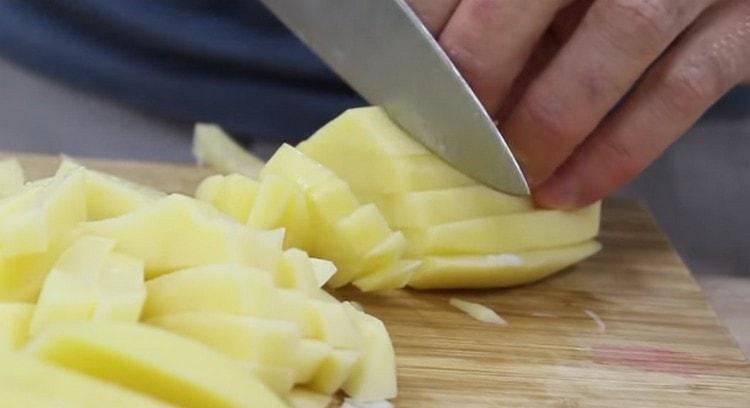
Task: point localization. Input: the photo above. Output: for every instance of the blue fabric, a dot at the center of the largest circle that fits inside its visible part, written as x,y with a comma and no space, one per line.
229,62
224,61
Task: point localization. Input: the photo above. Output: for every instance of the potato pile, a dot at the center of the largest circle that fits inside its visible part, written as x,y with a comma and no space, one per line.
374,193
114,294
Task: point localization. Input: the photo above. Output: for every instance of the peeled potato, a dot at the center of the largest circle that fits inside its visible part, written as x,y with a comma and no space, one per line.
154,362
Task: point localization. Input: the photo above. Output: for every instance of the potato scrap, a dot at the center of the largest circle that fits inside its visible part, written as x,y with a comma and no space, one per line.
477,311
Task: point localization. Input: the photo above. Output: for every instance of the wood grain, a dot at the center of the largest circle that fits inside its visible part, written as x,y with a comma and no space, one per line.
663,345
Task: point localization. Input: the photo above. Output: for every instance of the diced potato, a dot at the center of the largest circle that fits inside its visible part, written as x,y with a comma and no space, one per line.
278,379
122,291
304,398
373,377
211,288
15,319
335,326
280,203
43,215
11,177
334,371
28,382
179,232
354,237
500,270
268,344
257,340
507,233
213,147
89,282
323,270
108,196
296,271
233,194
310,355
419,209
397,276
155,362
70,290
21,277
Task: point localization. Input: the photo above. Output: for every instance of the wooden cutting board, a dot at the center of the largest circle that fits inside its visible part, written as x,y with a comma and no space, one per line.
661,344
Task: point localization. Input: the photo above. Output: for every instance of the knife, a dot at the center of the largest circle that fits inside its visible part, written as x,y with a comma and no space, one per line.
384,52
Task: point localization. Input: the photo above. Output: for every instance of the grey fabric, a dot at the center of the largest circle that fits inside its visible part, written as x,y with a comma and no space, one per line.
699,190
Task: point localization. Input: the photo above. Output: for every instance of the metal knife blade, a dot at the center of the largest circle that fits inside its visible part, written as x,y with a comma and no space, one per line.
382,50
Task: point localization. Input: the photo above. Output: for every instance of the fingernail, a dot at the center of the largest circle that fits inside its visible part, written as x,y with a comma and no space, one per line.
558,192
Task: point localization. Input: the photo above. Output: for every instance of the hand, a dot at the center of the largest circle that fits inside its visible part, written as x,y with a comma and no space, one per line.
590,92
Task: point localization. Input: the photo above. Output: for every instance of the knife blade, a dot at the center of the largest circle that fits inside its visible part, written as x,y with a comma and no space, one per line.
384,52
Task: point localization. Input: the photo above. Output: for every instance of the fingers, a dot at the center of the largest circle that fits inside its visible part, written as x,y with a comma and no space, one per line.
711,58
433,13
491,40
612,46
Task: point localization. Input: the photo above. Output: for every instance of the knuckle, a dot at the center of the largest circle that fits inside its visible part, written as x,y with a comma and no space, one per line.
546,113
692,85
638,25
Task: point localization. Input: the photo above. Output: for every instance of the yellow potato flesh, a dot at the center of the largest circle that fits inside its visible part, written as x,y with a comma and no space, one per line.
355,237
46,215
282,204
11,177
418,209
15,319
375,156
296,271
304,398
108,196
233,194
90,282
211,288
268,344
213,147
183,232
155,362
28,382
507,233
333,371
500,270
373,377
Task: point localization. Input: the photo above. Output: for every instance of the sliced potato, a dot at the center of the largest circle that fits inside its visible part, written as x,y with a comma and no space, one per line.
155,362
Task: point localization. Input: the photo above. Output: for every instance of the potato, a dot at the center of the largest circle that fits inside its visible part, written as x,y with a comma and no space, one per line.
90,282
441,212
233,194
499,270
334,371
373,377
507,233
33,220
375,156
15,319
213,147
11,177
281,203
419,209
268,344
304,398
28,382
210,288
155,362
179,232
108,196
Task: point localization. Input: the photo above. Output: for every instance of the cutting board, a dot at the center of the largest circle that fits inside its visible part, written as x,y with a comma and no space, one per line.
659,343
